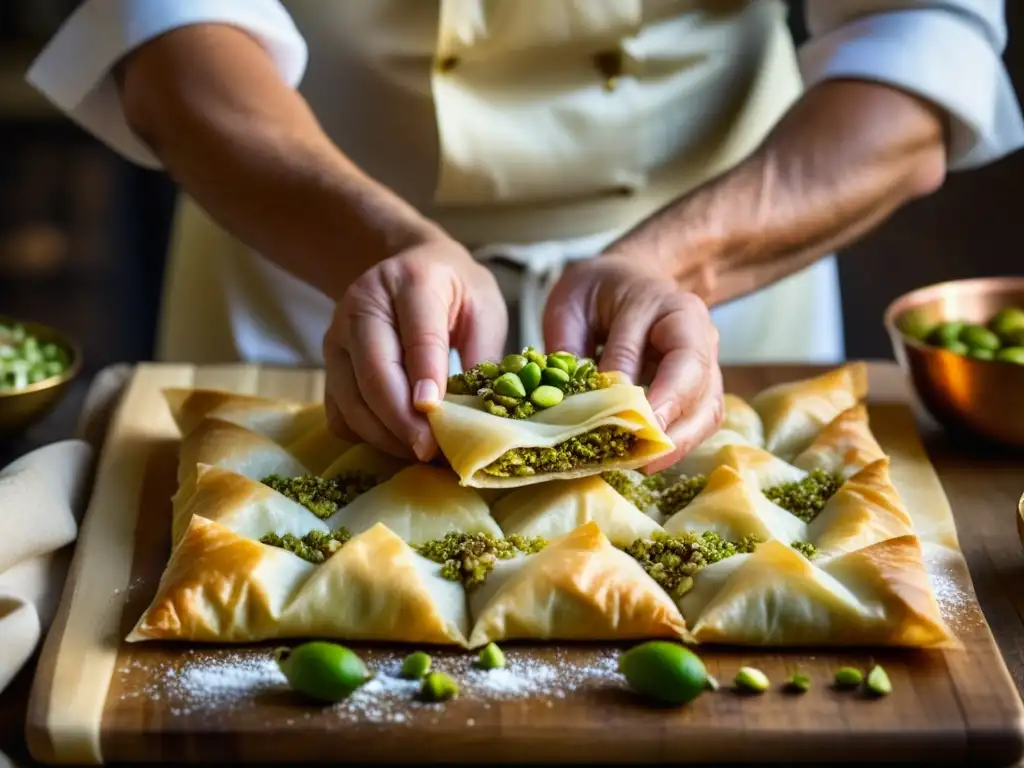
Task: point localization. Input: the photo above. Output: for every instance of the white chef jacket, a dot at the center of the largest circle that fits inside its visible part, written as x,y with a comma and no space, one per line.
536,131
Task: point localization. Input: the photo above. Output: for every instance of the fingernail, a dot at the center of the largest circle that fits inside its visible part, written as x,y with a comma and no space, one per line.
425,393
424,448
662,416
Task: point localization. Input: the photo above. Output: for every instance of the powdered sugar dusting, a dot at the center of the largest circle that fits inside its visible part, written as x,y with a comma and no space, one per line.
957,605
218,682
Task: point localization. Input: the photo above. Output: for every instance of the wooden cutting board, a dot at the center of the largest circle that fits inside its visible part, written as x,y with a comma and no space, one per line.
97,699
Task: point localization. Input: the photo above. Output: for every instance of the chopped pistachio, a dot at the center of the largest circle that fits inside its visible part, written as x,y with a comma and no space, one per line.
639,495
806,549
752,679
322,496
537,358
437,686
315,546
849,677
807,497
472,381
878,681
676,496
799,683
470,557
416,665
594,447
672,560
491,657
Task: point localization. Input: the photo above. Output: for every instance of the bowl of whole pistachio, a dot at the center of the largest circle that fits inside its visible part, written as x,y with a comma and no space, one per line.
37,363
962,346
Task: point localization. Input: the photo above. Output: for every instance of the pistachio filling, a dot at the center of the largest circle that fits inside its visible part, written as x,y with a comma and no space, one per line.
593,447
521,385
315,547
672,560
807,497
470,557
322,496
806,549
656,491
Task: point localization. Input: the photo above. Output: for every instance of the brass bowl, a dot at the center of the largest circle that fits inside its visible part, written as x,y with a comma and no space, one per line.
21,408
981,397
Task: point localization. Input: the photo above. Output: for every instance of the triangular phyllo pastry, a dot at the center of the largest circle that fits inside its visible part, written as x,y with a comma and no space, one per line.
222,444
421,503
579,587
221,587
246,506
740,418
865,510
557,508
759,467
844,447
794,413
735,509
314,445
363,458
281,420
586,434
777,597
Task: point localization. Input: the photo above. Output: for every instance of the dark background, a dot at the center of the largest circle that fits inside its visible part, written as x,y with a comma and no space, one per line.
83,234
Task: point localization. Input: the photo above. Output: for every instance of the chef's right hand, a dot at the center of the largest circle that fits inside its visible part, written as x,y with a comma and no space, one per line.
386,350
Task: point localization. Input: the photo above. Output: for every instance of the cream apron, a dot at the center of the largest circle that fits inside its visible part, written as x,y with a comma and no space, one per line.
534,131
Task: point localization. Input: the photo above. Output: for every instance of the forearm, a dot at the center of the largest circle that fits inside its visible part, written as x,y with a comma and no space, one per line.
247,148
844,158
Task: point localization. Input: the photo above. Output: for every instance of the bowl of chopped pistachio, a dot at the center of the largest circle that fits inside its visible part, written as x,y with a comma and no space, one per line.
961,345
37,363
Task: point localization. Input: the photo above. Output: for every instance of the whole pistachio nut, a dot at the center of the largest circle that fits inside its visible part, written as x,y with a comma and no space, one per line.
799,682
584,369
569,360
490,370
554,361
546,396
416,665
509,385
878,681
752,679
437,686
849,677
555,377
513,363
491,657
1011,355
530,376
979,337
533,356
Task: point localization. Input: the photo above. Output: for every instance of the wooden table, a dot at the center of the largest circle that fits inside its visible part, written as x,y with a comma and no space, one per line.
983,485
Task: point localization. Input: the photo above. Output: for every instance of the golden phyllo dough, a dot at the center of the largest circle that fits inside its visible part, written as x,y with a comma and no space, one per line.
579,588
222,587
471,439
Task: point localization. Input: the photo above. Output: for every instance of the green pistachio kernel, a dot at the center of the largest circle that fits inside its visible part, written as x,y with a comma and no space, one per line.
554,361
878,681
957,348
979,337
946,333
437,686
323,671
490,370
513,364
916,326
491,657
849,677
510,385
799,683
530,376
981,354
556,377
568,360
584,369
416,665
533,356
546,396
752,679
1011,355
1007,320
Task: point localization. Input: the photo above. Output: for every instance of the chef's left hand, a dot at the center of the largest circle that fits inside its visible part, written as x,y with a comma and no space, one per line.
643,318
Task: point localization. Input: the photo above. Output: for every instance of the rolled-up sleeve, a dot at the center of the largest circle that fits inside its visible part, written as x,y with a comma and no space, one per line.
74,70
949,53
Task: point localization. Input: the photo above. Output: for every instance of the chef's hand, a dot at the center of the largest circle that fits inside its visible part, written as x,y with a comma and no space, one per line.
643,319
386,351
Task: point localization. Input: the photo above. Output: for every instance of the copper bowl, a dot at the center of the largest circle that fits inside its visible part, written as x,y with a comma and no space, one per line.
982,397
21,408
